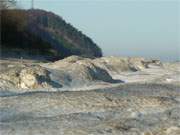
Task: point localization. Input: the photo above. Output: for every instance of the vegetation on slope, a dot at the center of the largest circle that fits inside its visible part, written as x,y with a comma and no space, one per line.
44,33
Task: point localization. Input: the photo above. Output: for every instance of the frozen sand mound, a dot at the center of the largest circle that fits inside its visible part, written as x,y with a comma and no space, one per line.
22,76
77,72
81,71
111,64
117,65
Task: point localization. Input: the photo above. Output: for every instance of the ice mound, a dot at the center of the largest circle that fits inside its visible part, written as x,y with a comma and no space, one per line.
80,71
115,65
77,70
24,76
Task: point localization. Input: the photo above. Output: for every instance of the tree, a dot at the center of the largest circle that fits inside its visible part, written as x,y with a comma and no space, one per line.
5,4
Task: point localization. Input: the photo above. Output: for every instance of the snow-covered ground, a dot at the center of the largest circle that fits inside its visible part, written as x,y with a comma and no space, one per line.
78,96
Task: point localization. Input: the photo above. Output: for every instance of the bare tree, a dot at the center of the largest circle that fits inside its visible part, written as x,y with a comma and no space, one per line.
5,4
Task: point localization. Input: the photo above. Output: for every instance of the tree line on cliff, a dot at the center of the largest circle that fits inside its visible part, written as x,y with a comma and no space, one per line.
45,33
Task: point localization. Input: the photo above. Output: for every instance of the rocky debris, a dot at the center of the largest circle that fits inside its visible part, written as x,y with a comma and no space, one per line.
24,76
129,109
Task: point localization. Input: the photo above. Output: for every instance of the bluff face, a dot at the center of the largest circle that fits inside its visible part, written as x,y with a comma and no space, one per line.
44,33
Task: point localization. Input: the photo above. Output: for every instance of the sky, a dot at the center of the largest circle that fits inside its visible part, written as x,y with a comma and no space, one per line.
147,28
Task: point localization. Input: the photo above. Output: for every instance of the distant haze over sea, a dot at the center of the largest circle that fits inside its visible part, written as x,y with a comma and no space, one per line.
149,29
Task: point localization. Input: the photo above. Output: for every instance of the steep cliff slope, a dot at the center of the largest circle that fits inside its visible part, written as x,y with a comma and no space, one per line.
44,33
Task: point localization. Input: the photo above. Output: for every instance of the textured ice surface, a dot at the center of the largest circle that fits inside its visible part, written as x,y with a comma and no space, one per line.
145,101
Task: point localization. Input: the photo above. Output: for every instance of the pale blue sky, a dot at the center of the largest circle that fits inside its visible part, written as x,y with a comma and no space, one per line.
148,28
